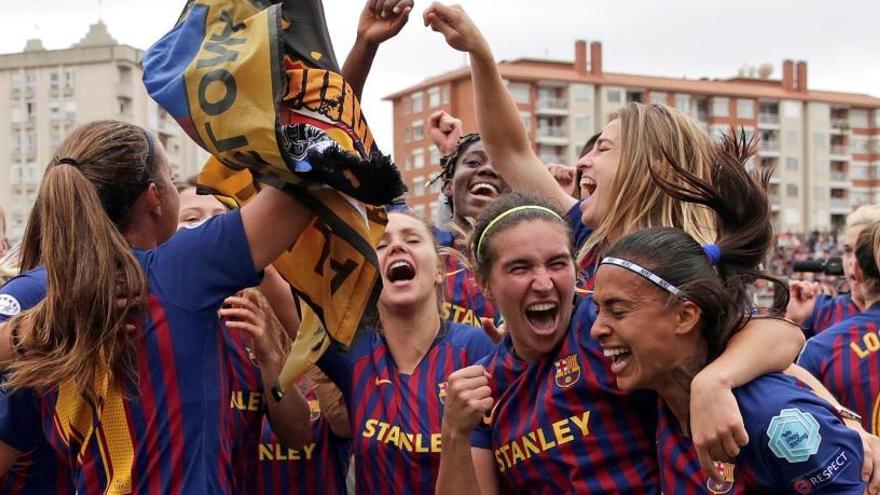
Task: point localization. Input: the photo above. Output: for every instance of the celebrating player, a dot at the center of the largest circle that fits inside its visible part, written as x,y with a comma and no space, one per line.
126,338
667,307
394,377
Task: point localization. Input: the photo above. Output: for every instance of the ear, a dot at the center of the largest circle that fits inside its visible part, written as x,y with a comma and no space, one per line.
152,200
857,274
687,319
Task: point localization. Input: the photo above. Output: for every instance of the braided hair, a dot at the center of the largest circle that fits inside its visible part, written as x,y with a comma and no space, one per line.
449,162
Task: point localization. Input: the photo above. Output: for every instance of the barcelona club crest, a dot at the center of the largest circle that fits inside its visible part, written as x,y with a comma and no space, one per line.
441,392
725,469
314,410
567,371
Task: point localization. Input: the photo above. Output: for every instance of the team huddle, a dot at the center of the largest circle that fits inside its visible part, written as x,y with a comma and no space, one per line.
604,340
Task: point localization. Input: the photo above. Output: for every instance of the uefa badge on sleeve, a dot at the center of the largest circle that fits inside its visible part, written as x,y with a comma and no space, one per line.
725,469
794,435
568,370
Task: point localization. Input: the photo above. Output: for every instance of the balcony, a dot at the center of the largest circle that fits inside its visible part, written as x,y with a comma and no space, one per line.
839,150
554,135
768,120
839,126
769,147
838,176
124,90
840,204
551,106
551,158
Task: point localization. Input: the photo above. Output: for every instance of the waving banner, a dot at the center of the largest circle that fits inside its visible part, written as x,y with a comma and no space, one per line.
256,84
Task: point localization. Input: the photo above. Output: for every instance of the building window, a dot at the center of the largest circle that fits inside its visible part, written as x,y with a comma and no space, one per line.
613,95
418,130
54,140
69,78
418,187
858,118
791,164
720,107
858,145
582,122
435,156
407,135
820,139
30,79
526,120
434,97
436,212
15,115
581,92
521,92
684,103
31,142
791,190
658,97
31,108
877,119
54,82
417,102
859,172
16,80
70,110
418,158
54,110
446,94
792,137
820,192
745,109
16,143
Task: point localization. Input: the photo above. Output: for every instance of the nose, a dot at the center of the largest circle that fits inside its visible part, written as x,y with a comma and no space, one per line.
600,330
542,281
584,163
487,170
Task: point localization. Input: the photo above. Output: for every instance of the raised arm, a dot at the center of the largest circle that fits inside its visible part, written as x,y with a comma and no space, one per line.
498,118
379,21
273,221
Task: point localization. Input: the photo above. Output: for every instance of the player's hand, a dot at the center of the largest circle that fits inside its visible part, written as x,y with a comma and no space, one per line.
802,300
493,332
383,19
564,175
454,24
240,312
871,463
717,428
445,131
468,399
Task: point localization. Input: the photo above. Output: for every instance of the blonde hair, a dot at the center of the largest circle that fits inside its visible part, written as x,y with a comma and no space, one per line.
651,135
863,215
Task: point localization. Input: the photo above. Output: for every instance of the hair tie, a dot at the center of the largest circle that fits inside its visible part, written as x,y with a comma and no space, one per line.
713,252
68,161
510,212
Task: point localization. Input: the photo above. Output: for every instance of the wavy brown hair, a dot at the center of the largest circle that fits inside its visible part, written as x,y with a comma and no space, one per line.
650,137
95,286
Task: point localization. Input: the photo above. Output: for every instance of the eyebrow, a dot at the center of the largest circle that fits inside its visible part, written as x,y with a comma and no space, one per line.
603,141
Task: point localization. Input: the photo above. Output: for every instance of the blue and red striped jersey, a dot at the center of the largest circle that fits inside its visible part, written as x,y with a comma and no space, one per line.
320,466
844,358
561,425
827,311
166,432
579,234
797,444
39,470
464,302
246,409
395,417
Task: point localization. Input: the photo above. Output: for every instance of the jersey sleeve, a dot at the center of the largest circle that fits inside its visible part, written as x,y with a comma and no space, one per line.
199,267
338,364
579,231
805,448
823,301
22,293
811,357
20,426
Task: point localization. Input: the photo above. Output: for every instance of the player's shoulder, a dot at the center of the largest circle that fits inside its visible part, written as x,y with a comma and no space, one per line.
468,337
22,292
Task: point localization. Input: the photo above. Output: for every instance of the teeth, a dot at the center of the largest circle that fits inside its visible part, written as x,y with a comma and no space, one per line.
542,307
610,353
483,186
398,264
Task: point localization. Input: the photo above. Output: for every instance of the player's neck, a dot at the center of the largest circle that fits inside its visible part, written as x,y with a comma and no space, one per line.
675,390
410,335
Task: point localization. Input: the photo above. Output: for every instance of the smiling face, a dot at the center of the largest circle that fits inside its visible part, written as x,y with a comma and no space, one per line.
598,168
474,183
409,263
532,281
644,337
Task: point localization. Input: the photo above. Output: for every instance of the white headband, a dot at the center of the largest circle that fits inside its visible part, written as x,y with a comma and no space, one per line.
648,274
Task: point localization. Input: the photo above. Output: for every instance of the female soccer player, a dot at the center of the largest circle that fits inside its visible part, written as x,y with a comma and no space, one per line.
555,421
126,338
394,377
667,307
844,357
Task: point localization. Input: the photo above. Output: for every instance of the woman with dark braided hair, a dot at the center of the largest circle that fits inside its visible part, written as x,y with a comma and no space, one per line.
667,307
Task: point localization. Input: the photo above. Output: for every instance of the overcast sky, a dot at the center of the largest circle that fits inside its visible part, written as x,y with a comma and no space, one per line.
840,39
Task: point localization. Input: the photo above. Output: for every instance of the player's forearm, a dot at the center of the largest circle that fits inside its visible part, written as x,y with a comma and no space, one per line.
764,345
358,64
280,297
457,474
290,417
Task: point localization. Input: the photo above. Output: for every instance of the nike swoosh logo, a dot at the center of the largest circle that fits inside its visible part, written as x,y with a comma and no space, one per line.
488,420
382,381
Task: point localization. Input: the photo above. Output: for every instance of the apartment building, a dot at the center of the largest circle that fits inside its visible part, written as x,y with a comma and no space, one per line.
44,94
824,145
